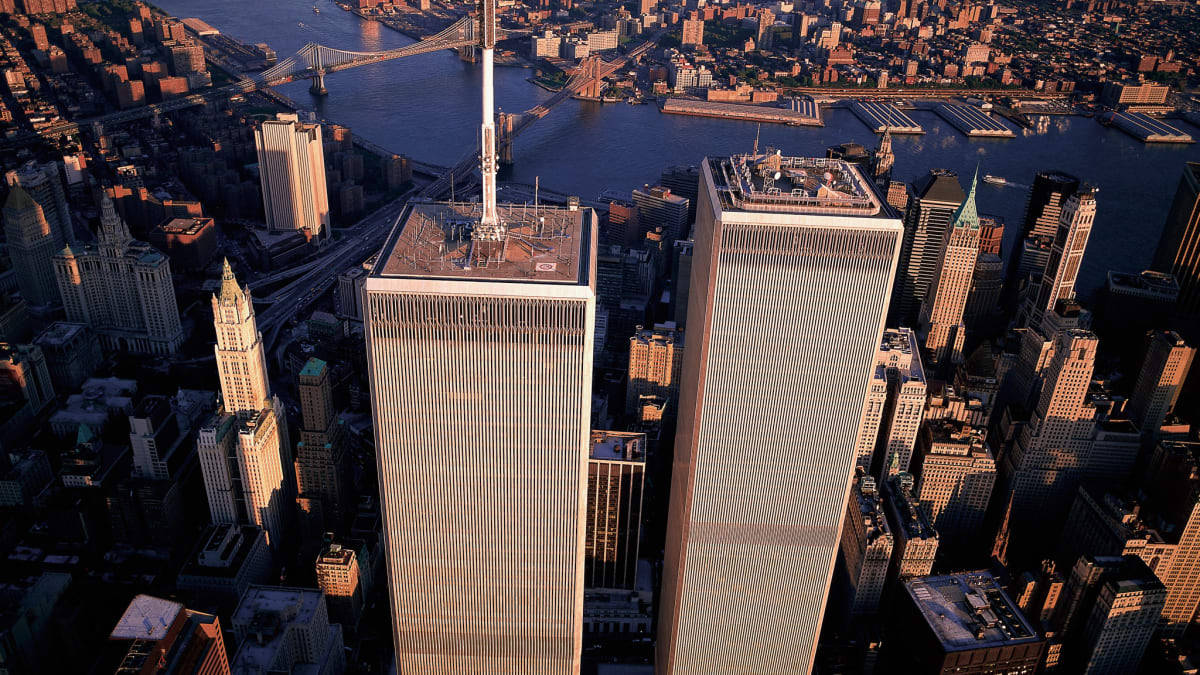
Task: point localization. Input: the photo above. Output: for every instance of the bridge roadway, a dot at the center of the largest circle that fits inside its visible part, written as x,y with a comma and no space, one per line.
313,60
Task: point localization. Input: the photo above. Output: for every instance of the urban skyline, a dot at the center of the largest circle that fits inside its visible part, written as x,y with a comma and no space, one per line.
773,411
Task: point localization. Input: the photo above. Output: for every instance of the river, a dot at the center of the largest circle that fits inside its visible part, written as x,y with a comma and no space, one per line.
428,108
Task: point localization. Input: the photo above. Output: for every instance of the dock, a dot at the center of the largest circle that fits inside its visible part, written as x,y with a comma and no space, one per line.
884,117
972,121
803,112
1146,129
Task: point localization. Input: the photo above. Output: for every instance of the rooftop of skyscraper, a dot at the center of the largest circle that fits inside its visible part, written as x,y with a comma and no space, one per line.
542,244
618,446
897,350
969,611
905,510
776,183
1158,285
870,506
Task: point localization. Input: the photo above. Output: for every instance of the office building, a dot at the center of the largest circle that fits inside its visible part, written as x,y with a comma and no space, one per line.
166,638
43,184
1050,455
762,466
987,287
1160,380
241,446
338,579
25,377
955,472
1174,472
286,630
1057,283
72,353
32,244
1112,610
659,207
1129,306
321,452
155,437
291,166
616,483
866,546
121,288
915,540
1178,250
1046,198
935,199
228,559
655,357
950,623
349,293
942,309
529,537
894,406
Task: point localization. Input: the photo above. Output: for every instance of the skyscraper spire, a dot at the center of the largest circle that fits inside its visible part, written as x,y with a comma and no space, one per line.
490,227
966,215
114,234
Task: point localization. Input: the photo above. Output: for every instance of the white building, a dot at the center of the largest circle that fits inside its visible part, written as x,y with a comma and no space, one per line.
791,275
243,443
480,345
122,288
894,406
291,166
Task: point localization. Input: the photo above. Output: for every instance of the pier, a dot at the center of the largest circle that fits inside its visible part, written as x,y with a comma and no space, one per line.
1147,129
884,117
800,112
972,121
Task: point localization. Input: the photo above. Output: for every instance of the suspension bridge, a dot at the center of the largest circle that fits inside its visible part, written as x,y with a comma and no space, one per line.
312,62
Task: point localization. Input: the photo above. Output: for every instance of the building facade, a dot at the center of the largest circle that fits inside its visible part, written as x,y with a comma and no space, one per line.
121,288
942,310
291,166
935,197
1161,378
488,359
761,473
655,357
894,407
242,446
616,485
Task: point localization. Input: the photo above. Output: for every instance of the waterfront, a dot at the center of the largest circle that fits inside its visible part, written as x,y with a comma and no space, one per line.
428,107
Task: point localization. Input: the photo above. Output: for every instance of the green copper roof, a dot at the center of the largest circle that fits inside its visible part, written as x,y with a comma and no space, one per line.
84,435
313,368
966,215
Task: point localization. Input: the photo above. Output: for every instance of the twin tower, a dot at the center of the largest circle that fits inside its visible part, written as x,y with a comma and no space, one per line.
480,343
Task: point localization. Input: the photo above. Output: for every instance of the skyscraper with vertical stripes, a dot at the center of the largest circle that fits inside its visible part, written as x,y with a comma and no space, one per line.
481,375
793,268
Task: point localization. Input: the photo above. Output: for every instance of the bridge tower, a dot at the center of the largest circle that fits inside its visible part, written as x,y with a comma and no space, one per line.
504,138
590,68
317,88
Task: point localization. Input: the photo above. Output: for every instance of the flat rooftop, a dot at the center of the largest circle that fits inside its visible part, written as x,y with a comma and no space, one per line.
146,618
434,240
775,183
626,446
969,611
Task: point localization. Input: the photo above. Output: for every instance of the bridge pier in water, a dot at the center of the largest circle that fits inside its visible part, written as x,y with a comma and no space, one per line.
504,139
317,88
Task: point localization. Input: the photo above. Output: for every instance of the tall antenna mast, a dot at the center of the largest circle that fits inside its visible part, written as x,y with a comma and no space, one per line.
490,227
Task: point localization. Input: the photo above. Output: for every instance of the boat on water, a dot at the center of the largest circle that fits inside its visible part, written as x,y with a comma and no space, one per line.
316,10
995,180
